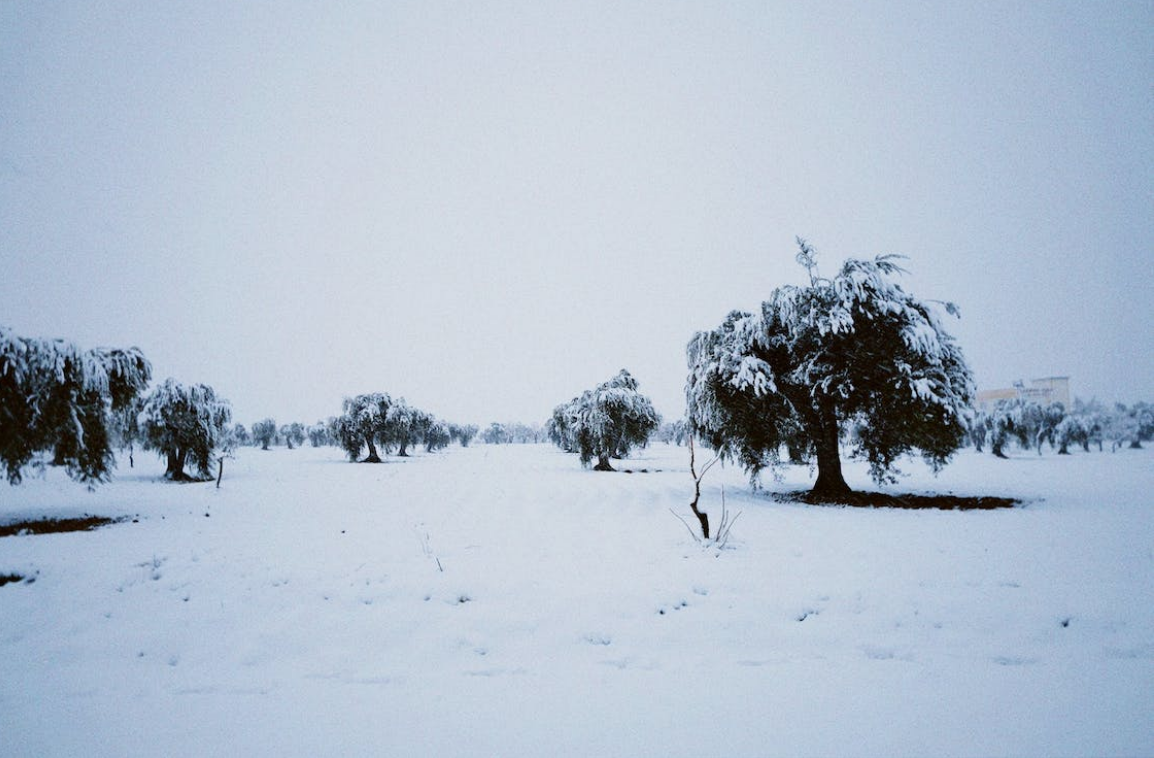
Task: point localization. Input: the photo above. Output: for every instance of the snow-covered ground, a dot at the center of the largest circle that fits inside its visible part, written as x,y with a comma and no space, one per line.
503,601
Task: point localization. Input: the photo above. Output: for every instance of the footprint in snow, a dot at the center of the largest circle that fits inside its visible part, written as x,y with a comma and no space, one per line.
675,607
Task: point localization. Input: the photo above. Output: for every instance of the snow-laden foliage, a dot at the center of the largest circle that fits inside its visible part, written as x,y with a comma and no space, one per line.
852,352
604,422
376,419
1029,424
186,424
240,436
512,432
673,432
463,434
56,397
319,435
405,426
437,436
1021,420
293,434
1129,426
361,423
1078,429
264,433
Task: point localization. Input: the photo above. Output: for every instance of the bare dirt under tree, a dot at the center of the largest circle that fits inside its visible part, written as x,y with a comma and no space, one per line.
907,502
55,526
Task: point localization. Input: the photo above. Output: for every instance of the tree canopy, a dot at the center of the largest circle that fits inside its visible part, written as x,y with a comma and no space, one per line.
604,422
855,352
56,397
187,425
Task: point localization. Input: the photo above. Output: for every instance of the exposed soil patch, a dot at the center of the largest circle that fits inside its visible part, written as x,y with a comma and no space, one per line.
53,526
13,578
908,502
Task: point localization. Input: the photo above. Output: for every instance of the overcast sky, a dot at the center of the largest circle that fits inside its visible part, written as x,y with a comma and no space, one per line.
489,207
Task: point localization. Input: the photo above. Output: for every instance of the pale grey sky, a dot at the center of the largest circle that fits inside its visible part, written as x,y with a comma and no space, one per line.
488,207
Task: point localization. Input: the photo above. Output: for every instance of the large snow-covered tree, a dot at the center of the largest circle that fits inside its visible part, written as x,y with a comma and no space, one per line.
361,424
854,351
55,397
188,425
405,426
605,422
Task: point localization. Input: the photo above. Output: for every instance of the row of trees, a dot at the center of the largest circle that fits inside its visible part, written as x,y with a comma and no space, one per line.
77,405
848,359
1029,424
513,433
375,421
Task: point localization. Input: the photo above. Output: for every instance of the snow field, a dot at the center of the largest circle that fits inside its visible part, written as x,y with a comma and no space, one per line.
500,600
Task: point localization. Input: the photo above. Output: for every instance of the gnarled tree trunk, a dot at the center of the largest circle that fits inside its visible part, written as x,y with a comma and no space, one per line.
372,457
830,482
175,470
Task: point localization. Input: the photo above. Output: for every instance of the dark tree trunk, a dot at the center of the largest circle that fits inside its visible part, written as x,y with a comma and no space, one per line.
175,470
372,457
220,472
1063,449
603,463
830,482
703,518
1135,444
402,453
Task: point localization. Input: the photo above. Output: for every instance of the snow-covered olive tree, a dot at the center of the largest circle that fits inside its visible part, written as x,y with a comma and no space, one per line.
855,351
188,426
361,424
264,433
240,436
405,426
605,422
463,434
293,434
437,436
495,434
55,397
319,435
